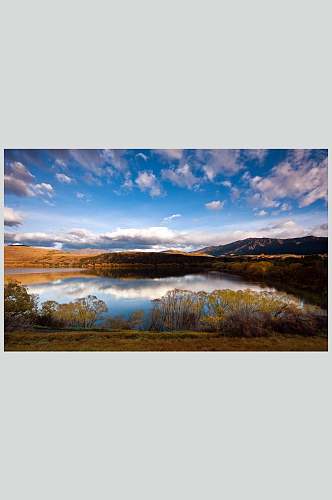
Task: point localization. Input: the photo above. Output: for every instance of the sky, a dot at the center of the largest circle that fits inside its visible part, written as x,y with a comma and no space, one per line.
152,200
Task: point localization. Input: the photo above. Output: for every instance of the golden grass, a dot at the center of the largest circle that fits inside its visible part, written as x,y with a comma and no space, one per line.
131,340
40,257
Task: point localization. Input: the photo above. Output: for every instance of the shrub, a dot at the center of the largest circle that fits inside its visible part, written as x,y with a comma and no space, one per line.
47,314
307,322
116,323
20,307
136,319
178,310
259,268
83,312
134,322
244,312
241,313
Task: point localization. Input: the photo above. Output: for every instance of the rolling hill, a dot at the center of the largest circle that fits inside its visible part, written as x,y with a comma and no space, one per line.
270,246
25,256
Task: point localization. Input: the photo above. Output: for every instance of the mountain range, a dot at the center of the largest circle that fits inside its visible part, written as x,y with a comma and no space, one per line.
270,246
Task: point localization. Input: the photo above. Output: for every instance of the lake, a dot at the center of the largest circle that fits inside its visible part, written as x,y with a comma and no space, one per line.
122,291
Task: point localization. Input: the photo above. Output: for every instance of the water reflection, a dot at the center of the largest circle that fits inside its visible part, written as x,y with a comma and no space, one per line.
124,292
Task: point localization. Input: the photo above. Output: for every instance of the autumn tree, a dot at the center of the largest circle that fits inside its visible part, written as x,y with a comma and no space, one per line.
83,312
20,307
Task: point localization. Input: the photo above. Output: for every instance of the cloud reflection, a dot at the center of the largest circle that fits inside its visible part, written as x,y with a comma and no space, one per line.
120,293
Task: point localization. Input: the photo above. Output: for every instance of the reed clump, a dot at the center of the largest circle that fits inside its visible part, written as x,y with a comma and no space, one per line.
242,313
178,310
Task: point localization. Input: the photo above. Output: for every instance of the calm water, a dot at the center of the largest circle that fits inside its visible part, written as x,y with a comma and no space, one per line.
122,292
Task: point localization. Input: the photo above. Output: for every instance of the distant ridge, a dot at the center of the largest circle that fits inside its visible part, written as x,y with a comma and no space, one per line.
307,245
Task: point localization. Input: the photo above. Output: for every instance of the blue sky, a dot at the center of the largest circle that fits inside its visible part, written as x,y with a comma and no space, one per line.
157,199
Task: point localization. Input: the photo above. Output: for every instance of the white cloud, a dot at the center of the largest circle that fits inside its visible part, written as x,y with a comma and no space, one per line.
172,217
299,177
170,154
320,230
131,238
263,201
181,176
222,161
17,186
212,162
160,237
283,229
83,196
128,183
142,155
44,189
116,157
285,207
19,171
64,178
235,192
89,159
256,154
147,181
19,181
95,163
92,179
12,218
60,163
261,213
215,205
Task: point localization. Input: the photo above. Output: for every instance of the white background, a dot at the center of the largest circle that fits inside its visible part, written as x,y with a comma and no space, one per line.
165,74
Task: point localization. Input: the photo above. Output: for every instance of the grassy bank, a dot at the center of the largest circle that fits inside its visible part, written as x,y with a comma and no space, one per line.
131,340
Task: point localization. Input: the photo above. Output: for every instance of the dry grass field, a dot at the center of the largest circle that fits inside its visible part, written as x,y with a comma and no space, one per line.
21,256
131,340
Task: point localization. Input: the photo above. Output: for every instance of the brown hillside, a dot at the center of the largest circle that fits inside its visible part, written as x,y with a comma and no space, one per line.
22,256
